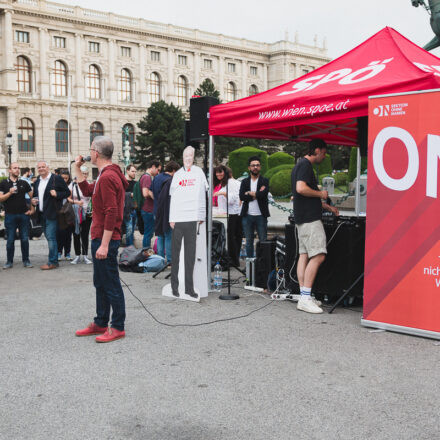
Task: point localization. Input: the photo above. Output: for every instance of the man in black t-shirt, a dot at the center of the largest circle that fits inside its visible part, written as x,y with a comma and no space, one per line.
307,211
13,195
130,216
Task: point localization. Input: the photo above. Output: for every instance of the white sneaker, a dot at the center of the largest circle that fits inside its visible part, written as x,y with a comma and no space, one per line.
86,260
295,298
308,305
76,260
316,301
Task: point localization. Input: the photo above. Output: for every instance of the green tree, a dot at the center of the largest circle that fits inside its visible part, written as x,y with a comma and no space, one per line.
207,88
161,134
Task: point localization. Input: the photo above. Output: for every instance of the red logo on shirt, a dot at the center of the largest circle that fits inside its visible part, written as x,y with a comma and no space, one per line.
187,182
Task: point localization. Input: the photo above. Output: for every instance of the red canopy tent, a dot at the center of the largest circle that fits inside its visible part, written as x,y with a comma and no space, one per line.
326,102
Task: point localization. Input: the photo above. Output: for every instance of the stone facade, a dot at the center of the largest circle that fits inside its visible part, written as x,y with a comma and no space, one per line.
111,68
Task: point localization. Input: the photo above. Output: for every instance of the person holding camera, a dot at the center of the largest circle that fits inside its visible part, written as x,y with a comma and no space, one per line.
13,193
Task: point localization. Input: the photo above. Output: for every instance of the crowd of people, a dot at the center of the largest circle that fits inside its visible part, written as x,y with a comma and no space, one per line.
114,202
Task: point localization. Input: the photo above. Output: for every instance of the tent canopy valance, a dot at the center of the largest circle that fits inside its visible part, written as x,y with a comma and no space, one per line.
326,102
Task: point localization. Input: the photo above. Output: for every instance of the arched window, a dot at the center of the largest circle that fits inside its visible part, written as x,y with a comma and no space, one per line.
59,79
130,136
23,68
96,129
26,136
154,87
62,136
125,85
253,89
182,91
93,82
231,91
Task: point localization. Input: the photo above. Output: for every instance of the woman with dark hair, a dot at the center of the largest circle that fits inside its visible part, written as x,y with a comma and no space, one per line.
230,191
64,236
220,179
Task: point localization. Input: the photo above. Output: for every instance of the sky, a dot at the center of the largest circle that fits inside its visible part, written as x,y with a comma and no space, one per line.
344,23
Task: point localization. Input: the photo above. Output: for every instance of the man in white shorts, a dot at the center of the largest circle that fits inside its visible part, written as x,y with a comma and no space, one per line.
308,202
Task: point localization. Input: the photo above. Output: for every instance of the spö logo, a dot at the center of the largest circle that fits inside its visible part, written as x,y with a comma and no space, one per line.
382,110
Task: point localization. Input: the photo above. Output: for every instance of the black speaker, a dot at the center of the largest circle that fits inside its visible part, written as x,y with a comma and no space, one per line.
362,136
198,114
265,262
187,136
291,258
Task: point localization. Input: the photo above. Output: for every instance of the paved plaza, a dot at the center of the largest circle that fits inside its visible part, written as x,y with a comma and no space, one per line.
276,374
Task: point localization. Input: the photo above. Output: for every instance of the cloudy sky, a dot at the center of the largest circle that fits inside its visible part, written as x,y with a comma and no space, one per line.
345,23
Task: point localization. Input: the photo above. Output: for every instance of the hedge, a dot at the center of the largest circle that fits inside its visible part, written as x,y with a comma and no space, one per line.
280,183
280,158
341,179
352,164
238,160
272,171
325,167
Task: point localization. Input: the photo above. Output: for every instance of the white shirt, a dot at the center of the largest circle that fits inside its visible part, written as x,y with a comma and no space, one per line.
254,209
233,198
41,189
188,195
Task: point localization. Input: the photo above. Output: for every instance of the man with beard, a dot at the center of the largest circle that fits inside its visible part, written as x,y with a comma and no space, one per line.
254,191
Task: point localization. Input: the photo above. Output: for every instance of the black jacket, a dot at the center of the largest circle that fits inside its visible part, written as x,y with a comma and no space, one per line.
162,221
261,195
51,205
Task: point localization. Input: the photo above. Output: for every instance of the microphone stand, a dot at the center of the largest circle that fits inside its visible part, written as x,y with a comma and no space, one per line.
230,296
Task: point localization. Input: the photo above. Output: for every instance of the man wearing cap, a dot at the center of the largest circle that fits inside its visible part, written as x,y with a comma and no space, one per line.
308,202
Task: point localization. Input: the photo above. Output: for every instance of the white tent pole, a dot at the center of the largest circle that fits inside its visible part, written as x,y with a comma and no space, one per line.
358,182
210,181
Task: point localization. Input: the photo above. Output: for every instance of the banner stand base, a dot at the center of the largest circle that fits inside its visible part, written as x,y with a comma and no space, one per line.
401,329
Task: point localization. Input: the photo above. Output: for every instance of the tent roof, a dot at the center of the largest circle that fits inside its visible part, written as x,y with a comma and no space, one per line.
326,102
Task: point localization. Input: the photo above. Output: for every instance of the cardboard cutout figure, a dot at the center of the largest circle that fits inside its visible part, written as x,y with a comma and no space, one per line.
189,277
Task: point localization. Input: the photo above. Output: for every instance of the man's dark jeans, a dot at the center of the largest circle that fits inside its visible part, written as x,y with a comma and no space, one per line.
250,223
109,292
12,222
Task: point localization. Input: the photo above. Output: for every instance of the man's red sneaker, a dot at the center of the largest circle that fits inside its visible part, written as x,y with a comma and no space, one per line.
110,335
91,329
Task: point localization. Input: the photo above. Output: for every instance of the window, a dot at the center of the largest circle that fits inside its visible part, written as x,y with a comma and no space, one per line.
93,47
59,79
26,136
253,89
207,64
23,68
22,37
93,82
231,67
130,136
125,51
154,87
59,42
182,60
61,137
182,91
254,71
305,71
96,129
125,85
231,92
155,56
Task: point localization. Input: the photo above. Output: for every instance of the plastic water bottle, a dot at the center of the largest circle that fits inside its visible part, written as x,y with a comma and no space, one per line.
218,278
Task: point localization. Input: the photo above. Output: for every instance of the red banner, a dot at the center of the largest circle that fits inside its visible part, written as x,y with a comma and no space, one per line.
402,256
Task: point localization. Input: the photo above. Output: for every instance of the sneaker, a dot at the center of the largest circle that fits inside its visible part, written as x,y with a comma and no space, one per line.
59,255
68,257
7,266
76,260
86,260
91,329
27,264
49,266
308,305
111,334
295,298
316,301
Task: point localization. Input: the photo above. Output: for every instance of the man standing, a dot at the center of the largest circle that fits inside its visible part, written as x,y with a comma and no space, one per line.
130,223
307,210
153,169
49,192
161,191
255,209
108,194
13,193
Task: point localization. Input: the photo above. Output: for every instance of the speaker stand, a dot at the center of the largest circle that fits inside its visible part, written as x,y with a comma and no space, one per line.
346,292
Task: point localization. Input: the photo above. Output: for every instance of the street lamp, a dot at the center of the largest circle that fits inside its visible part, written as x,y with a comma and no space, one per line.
9,141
